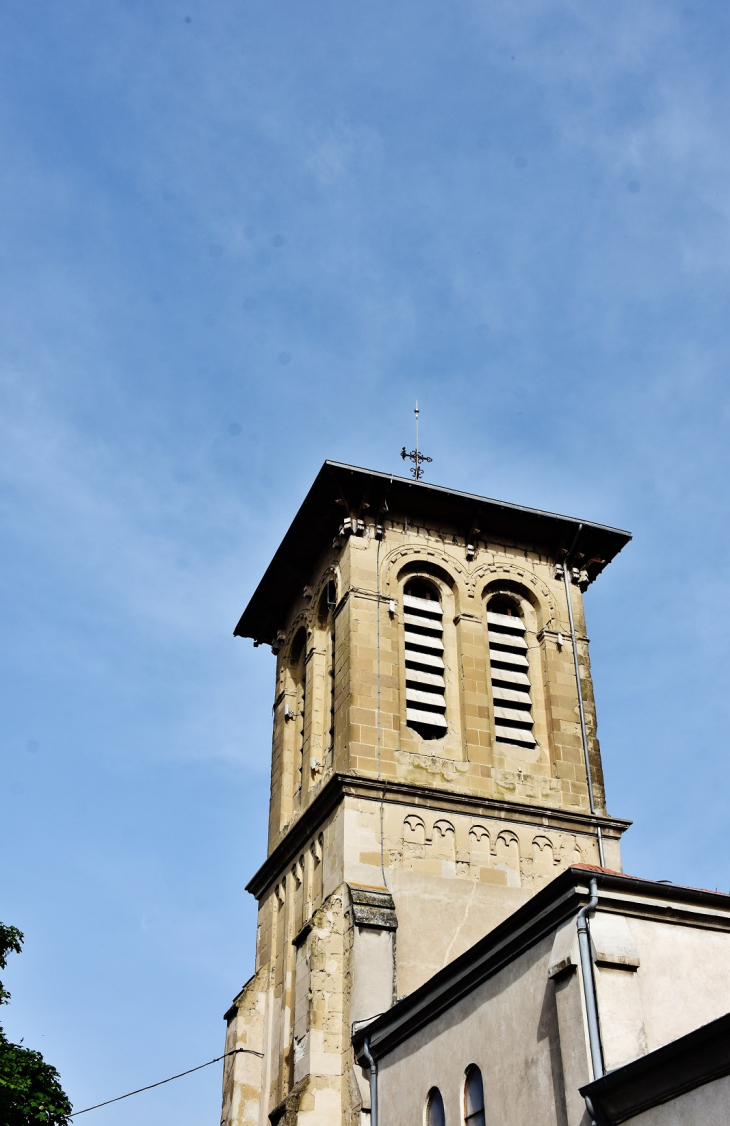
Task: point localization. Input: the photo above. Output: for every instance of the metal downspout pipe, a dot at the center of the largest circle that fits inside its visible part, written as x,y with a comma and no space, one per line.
581,710
589,989
373,1067
589,985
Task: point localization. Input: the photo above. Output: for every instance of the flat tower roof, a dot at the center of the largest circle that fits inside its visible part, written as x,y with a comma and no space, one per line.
341,490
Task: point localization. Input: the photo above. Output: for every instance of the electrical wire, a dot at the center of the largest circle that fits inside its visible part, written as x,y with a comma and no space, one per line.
235,1052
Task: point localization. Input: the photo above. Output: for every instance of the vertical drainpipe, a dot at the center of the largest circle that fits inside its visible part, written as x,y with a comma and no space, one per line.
589,985
373,1068
589,989
581,711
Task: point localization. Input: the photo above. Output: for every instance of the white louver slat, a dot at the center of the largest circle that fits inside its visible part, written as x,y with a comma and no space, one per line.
418,696
513,640
424,641
420,677
513,694
514,715
509,676
432,660
421,621
424,660
428,719
514,735
422,605
506,621
509,665
507,658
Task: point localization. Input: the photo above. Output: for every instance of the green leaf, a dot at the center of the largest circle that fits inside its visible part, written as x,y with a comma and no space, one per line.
30,1089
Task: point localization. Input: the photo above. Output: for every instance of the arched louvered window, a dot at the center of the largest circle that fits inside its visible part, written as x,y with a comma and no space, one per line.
509,667
435,1113
424,659
299,673
474,1097
327,605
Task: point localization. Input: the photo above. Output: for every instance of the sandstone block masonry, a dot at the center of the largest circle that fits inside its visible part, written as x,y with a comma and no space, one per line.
427,750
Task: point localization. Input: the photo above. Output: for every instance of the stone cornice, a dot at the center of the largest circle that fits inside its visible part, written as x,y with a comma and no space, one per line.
340,786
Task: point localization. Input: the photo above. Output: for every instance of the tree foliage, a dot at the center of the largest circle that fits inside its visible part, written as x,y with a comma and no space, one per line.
30,1089
11,942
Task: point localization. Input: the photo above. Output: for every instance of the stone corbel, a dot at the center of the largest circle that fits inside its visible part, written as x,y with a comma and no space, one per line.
472,541
373,908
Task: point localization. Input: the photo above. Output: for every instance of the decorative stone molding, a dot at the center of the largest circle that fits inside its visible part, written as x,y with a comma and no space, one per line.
301,619
516,573
417,553
313,819
330,574
373,908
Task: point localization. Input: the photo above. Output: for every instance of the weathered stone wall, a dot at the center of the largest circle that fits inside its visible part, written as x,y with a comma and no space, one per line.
461,830
299,1009
371,736
243,1075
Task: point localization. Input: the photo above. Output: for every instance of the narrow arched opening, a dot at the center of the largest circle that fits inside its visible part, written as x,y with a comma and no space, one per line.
435,1113
509,671
425,667
326,617
474,1097
297,661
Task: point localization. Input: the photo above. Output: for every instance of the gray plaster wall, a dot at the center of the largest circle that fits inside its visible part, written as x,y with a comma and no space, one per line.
705,1106
656,980
508,1027
683,979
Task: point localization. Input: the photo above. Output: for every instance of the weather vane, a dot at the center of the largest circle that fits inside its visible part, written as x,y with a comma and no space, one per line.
415,455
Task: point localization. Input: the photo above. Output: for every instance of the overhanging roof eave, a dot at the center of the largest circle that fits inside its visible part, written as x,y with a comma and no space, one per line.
339,487
477,498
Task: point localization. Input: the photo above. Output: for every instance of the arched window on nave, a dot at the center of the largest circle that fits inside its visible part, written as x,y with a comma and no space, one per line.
435,1113
473,1097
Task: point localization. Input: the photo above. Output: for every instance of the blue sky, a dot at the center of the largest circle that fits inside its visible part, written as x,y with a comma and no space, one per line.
239,238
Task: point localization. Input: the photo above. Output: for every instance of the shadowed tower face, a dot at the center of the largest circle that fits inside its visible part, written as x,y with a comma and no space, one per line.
429,772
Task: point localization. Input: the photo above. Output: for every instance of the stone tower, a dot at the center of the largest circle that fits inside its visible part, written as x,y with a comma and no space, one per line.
429,764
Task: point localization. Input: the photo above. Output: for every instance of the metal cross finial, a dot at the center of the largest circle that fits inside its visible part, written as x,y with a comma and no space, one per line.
415,455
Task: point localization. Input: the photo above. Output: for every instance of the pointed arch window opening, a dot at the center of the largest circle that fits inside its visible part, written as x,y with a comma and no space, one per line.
509,672
425,667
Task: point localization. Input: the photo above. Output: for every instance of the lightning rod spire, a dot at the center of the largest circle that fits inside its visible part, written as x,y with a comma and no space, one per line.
415,455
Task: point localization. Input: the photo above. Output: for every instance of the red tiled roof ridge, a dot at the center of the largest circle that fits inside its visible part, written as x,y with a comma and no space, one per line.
608,871
627,876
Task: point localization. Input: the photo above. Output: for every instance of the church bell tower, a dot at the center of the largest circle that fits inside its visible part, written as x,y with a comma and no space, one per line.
434,763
